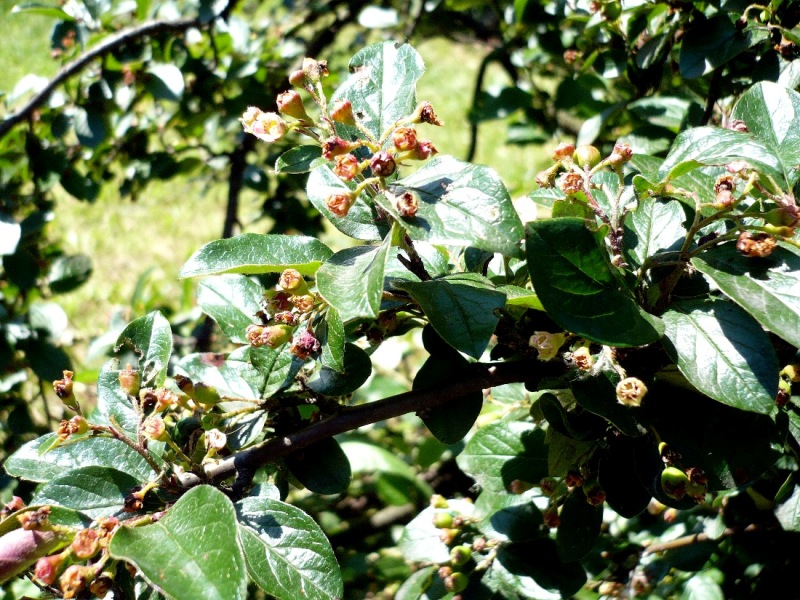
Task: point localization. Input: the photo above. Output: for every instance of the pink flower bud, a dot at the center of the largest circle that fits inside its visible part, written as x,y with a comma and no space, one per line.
291,104
404,138
335,146
346,167
266,126
382,164
563,151
305,345
342,112
154,428
424,114
339,204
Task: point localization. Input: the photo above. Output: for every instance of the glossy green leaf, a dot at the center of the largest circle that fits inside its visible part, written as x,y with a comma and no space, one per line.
461,308
772,115
627,472
564,452
94,491
352,280
192,552
232,301
331,336
653,227
40,8
300,159
711,43
577,285
31,462
724,353
382,84
420,541
664,111
233,376
415,587
462,204
702,146
113,405
502,452
321,467
90,127
788,512
150,337
287,554
277,365
518,296
767,288
357,367
59,515
579,528
68,272
252,254
165,82
540,578
514,520
702,586
598,395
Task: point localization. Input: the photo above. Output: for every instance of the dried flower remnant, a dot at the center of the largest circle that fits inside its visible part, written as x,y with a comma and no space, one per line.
631,391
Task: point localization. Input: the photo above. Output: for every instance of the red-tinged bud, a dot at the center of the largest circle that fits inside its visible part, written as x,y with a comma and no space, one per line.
445,571
517,486
315,69
404,138
548,486
447,536
16,503
275,336
346,167
724,199
292,281
736,166
85,543
130,380
339,204
756,245
570,183
266,126
595,495
167,399
342,112
291,104
423,150
154,428
674,482
63,389
304,345
285,317
424,114
102,584
278,301
382,164
621,154
563,151
479,544
631,391
407,204
573,479
298,78
737,125
551,518
459,555
47,568
335,146
75,579
571,56
216,440
35,520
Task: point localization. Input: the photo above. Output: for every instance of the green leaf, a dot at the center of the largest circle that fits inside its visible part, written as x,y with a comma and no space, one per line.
331,336
598,395
300,159
652,228
68,272
535,578
724,353
579,528
702,587
192,552
502,452
31,462
232,301
711,43
150,337
370,458
767,288
287,554
627,472
420,541
382,84
460,308
39,8
253,254
113,405
772,115
352,280
90,127
357,368
788,512
233,377
10,234
577,285
702,146
513,519
277,365
664,111
94,491
462,204
165,82
518,296
321,467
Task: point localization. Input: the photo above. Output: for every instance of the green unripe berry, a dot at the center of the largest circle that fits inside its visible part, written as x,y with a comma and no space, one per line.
612,10
586,156
460,555
443,520
674,482
457,582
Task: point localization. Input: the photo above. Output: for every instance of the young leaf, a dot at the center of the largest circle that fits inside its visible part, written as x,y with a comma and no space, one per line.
460,308
286,552
300,159
724,353
352,280
577,285
252,254
767,288
322,467
232,301
462,204
150,337
94,491
192,552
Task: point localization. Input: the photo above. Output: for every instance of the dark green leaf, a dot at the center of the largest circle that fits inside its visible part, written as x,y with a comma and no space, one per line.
547,572
165,82
46,360
653,227
332,338
772,115
29,462
286,552
300,159
357,367
463,204
460,308
150,337
232,301
252,254
90,127
579,528
702,586
322,467
352,280
712,43
518,521
724,353
767,288
598,395
577,424
627,472
577,285
94,491
504,451
192,552
10,233
278,365
69,272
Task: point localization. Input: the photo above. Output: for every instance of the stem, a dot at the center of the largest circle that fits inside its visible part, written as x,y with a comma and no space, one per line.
114,432
700,538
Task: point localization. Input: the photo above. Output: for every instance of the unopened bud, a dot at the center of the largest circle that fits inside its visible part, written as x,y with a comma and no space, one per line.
346,167
85,544
631,391
154,428
291,104
304,345
315,69
335,146
621,154
737,125
404,138
130,380
339,204
298,78
586,156
407,203
563,151
63,389
342,112
47,568
424,114
382,164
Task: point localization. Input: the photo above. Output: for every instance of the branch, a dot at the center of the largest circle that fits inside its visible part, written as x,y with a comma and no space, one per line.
478,376
700,538
76,66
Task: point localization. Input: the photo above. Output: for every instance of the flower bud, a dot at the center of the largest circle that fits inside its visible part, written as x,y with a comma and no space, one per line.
446,536
35,520
424,114
755,245
407,204
298,78
737,125
518,486
63,389
563,151
305,344
574,479
154,428
631,391
339,204
47,568
315,69
130,380
304,303
335,146
621,154
16,503
586,156
404,138
346,167
442,520
595,495
85,544
422,151
266,126
292,281
724,199
438,501
342,112
547,344
102,584
382,164
291,104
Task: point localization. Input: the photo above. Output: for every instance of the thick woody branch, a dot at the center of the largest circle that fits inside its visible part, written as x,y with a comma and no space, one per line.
109,44
478,377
